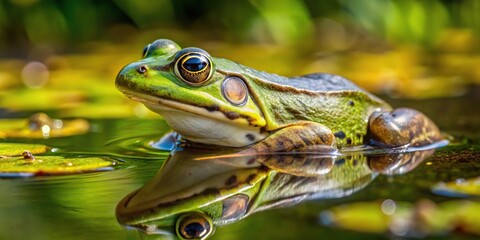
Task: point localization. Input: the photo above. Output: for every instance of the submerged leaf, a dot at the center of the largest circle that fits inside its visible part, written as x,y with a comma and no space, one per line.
17,149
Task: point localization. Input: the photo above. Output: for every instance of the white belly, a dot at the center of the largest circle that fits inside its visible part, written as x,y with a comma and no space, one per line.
199,128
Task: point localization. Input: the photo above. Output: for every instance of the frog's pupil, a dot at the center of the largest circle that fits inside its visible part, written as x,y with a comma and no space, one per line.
195,64
194,230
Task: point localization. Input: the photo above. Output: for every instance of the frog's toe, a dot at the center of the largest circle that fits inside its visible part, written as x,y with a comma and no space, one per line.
402,126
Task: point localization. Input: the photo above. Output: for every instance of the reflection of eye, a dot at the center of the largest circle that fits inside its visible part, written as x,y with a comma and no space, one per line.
235,91
145,50
194,68
234,207
194,225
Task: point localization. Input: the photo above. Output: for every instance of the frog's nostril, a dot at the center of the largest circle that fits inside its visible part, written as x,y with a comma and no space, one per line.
142,69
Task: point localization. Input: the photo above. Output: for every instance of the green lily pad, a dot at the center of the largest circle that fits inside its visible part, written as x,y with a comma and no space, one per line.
16,149
50,165
459,188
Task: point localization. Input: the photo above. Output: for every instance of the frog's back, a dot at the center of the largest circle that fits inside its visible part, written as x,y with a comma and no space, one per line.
318,82
328,99
313,84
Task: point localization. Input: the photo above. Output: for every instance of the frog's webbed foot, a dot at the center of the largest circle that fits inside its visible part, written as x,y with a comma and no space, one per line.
402,126
297,137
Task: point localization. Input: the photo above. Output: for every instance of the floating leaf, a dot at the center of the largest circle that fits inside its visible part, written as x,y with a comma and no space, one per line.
16,149
459,188
50,165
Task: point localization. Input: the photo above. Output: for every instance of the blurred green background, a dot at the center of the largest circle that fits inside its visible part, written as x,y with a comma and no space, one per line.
400,48
64,24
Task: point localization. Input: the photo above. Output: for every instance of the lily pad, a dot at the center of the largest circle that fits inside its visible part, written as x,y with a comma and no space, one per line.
459,188
17,149
50,165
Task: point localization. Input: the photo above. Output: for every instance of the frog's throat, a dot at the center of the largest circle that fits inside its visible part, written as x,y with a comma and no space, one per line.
200,125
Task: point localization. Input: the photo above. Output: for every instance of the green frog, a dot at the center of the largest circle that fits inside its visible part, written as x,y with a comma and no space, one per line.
216,101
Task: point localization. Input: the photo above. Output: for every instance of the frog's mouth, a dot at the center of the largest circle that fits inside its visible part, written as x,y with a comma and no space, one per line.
200,124
171,105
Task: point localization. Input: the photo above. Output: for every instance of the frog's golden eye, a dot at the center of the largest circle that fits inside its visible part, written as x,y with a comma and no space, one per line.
145,50
235,91
195,225
194,68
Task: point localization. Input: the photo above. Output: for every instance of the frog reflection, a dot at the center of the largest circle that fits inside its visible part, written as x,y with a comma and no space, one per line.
189,197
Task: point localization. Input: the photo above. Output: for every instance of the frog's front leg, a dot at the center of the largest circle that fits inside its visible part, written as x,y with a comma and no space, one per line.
296,137
402,126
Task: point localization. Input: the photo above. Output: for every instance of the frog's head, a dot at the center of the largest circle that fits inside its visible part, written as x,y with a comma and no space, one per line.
205,99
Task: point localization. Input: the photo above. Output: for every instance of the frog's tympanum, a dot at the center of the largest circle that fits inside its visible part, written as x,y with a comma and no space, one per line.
190,197
216,101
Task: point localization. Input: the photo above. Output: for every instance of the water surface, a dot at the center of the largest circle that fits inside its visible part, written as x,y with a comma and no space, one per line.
82,206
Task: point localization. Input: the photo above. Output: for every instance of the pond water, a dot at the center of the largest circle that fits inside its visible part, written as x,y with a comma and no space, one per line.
83,206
